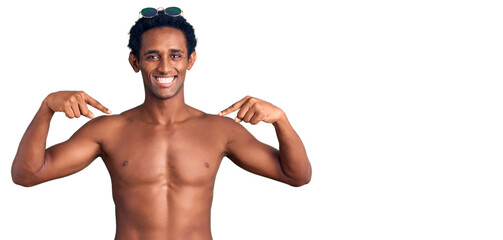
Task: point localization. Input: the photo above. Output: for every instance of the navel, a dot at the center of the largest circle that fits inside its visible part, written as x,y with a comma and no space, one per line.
125,163
207,165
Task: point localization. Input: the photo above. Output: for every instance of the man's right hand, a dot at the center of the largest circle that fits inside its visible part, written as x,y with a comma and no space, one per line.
73,103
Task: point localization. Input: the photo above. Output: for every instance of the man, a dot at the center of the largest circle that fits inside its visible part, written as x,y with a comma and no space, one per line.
163,155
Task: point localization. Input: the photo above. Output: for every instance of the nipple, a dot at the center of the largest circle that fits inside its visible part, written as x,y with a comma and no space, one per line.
125,163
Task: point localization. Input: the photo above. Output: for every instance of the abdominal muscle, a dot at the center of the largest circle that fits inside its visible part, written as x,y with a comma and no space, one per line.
163,211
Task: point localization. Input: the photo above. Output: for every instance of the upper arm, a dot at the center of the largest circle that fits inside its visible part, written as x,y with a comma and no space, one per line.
252,155
72,155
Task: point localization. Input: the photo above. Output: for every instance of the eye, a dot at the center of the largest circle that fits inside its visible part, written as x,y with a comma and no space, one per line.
152,57
176,56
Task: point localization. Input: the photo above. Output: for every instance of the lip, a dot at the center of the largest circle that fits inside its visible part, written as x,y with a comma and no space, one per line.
165,85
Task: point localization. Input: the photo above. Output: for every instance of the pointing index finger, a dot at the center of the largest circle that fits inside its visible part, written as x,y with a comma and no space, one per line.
91,101
234,106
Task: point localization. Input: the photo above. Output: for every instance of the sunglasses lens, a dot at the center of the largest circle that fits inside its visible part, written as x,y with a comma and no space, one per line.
173,11
149,12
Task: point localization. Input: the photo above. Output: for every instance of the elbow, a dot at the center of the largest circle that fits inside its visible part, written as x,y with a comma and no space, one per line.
24,177
302,179
23,181
300,182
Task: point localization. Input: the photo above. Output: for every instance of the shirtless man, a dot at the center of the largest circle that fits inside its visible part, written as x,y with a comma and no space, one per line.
163,155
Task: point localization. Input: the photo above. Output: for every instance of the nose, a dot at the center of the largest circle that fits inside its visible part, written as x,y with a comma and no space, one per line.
164,66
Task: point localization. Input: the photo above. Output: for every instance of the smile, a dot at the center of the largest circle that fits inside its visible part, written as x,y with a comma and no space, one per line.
165,81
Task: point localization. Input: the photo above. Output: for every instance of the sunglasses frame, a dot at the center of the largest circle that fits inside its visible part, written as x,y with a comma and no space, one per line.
164,10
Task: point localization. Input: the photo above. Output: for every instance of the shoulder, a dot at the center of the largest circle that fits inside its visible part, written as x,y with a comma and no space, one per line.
218,121
114,121
102,125
106,121
227,126
214,123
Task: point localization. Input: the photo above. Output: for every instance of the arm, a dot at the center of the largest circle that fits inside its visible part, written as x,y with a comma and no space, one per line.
289,165
34,164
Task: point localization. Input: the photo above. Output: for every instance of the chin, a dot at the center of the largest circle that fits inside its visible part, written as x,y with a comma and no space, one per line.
166,95
162,96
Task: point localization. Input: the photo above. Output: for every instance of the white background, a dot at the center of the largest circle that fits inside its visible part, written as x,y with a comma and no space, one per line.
397,102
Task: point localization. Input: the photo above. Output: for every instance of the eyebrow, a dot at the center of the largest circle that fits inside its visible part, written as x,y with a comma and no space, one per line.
150,52
157,51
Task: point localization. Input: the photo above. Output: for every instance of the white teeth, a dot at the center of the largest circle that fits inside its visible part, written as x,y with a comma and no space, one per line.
165,79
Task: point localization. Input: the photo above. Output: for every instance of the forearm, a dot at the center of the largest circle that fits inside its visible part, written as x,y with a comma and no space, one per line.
293,157
31,152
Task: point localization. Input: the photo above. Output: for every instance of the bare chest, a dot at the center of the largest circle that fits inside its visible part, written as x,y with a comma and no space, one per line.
180,156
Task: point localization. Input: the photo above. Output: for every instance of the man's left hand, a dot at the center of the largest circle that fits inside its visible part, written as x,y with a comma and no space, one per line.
253,110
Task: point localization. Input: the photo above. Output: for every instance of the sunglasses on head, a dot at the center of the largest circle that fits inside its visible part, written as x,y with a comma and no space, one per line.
152,12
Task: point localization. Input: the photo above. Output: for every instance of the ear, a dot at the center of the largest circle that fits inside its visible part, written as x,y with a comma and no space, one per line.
134,62
192,60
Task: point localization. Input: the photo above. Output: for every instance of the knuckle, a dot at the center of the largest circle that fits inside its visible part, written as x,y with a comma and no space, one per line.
81,94
255,108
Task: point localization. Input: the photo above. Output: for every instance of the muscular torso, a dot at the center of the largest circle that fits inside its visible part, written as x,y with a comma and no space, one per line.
163,175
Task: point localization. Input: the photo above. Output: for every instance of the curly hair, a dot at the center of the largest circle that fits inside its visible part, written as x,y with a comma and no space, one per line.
161,20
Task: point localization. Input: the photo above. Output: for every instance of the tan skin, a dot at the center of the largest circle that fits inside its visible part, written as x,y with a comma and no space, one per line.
162,156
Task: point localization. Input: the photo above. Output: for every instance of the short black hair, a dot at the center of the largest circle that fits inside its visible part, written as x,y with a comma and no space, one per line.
161,20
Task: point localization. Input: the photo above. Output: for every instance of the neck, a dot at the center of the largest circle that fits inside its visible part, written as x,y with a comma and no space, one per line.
164,111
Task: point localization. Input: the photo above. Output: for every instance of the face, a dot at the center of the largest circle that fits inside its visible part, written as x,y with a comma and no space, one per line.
163,61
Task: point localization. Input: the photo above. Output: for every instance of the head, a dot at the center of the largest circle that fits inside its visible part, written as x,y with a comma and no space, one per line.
162,48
